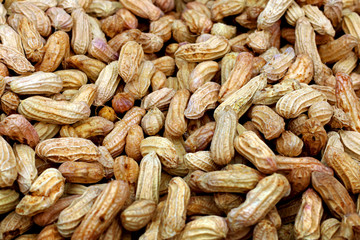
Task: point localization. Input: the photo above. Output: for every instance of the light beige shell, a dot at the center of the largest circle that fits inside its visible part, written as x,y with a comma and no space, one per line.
33,13
70,217
60,20
46,130
241,100
214,48
203,99
9,37
160,98
37,84
276,68
138,214
8,200
293,13
202,74
163,147
148,185
294,103
307,221
140,85
200,160
174,213
72,78
8,164
81,35
25,164
106,84
153,121
44,193
273,11
207,227
320,22
67,149
51,111
322,111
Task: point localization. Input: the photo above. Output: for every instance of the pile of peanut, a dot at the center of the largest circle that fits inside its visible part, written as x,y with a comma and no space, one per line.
179,119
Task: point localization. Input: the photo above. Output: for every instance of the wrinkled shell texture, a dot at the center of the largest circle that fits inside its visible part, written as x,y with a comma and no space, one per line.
180,119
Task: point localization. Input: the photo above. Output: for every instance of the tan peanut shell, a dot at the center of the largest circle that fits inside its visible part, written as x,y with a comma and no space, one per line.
204,205
106,84
200,138
200,160
207,227
250,212
103,211
37,83
138,214
265,229
267,121
44,193
131,55
346,100
153,121
241,100
288,144
160,98
8,164
212,49
175,123
44,109
204,98
294,103
14,224
345,167
307,222
202,73
222,145
25,164
173,216
239,75
81,35
20,129
81,172
249,145
163,147
241,180
149,178
8,200
90,66
139,86
70,218
273,11
334,194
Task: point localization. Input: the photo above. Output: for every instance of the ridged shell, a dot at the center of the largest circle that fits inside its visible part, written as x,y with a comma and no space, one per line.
294,103
44,193
163,147
8,200
70,217
7,164
259,201
25,161
37,83
106,84
51,111
60,150
174,214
